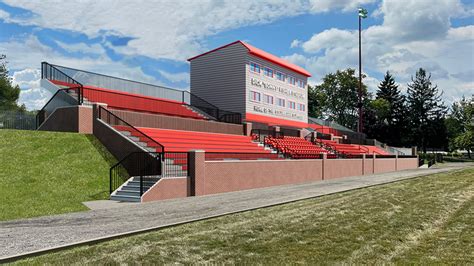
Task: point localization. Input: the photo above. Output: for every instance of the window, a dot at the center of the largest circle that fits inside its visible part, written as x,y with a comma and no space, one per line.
281,102
255,96
280,76
301,107
268,99
268,72
291,105
300,83
255,67
291,80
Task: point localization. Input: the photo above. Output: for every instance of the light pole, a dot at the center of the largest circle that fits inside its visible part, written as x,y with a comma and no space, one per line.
362,14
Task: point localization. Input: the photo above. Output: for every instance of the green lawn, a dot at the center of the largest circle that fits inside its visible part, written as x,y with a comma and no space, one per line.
44,173
425,220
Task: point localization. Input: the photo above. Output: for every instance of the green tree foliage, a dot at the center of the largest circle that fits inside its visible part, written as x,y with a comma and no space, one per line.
340,98
9,93
460,125
389,116
316,101
426,112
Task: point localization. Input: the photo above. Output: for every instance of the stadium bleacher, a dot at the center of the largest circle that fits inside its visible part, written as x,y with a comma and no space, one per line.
135,102
296,148
351,149
216,145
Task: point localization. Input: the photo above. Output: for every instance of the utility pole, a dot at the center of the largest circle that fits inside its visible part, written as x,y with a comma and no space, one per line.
362,14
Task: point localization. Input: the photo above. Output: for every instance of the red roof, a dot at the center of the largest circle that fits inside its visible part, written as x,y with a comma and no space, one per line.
264,55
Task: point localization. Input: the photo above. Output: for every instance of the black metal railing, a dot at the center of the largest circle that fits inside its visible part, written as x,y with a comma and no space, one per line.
175,164
70,96
61,98
118,123
53,73
143,165
141,88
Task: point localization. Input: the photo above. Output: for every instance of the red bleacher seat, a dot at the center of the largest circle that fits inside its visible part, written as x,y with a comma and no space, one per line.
352,149
216,145
297,148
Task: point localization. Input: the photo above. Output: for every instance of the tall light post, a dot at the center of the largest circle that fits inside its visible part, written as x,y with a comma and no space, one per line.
362,14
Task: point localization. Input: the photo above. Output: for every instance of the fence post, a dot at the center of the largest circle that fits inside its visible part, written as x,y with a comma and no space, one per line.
373,163
325,157
363,164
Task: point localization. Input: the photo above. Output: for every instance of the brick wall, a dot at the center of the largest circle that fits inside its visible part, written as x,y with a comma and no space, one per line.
69,119
173,122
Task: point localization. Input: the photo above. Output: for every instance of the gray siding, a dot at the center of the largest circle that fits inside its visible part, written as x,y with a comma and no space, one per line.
219,77
289,114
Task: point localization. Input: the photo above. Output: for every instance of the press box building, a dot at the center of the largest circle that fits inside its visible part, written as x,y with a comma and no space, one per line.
265,89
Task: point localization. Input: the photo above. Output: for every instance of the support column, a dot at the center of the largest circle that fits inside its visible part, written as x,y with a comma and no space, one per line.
197,172
247,128
363,164
396,162
325,157
373,163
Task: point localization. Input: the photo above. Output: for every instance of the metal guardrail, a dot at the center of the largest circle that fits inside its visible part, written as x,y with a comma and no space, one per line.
17,120
146,89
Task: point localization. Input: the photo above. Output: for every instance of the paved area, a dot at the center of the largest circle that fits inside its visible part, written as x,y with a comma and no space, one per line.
107,204
21,237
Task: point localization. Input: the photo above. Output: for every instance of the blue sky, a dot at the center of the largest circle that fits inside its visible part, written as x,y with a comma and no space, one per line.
151,40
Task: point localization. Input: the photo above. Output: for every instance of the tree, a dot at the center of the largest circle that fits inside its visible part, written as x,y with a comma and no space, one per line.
9,93
460,125
387,113
316,102
340,93
427,112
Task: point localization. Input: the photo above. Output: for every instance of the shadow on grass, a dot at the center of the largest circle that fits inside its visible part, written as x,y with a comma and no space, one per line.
108,157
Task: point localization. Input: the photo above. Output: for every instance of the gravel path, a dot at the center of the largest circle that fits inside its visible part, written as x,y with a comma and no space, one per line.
20,237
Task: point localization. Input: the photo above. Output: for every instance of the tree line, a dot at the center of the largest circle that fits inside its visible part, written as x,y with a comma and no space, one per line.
417,118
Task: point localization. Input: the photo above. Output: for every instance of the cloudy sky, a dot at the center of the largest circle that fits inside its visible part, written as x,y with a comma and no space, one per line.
151,40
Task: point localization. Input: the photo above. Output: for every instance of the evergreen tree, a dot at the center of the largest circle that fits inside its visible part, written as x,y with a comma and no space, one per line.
391,120
427,112
461,125
9,94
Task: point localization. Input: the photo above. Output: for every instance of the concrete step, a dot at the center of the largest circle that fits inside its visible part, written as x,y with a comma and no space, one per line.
137,183
126,198
123,192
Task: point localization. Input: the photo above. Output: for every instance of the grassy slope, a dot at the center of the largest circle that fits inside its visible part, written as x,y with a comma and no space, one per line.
427,220
49,172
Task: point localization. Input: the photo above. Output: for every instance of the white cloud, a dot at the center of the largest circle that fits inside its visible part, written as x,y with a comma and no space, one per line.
176,77
24,54
413,34
96,49
344,5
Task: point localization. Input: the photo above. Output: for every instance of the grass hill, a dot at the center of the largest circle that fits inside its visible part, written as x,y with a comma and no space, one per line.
43,173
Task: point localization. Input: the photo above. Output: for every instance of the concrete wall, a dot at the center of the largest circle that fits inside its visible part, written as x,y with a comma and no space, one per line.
116,143
170,122
211,177
69,119
168,188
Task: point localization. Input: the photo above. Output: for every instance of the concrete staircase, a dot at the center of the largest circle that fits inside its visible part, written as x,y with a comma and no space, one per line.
130,190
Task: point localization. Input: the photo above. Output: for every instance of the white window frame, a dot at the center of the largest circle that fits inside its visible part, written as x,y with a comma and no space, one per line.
266,97
278,102
270,69
282,74
259,67
252,93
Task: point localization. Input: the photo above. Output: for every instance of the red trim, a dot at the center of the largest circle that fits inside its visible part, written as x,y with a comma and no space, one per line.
262,54
274,121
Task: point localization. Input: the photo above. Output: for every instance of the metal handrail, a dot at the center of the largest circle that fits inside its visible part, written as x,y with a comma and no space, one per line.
102,109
